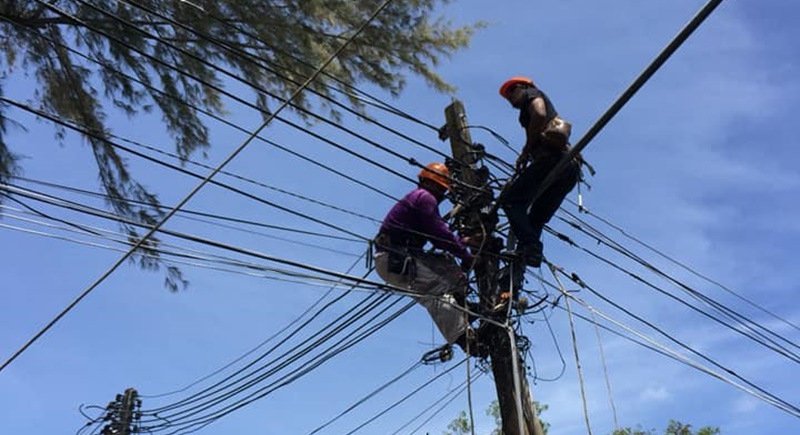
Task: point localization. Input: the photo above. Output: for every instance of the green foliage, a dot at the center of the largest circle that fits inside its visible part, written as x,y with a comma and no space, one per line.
285,40
673,428
459,426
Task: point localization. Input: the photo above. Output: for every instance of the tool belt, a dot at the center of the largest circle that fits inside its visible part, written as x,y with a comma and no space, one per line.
401,259
555,135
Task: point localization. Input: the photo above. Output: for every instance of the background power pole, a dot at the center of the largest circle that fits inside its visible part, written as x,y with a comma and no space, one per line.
122,413
475,216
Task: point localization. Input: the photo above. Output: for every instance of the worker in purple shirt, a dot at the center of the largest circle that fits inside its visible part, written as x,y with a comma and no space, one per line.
401,261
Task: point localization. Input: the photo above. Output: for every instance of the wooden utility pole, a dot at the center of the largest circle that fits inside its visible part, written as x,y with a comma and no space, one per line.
121,414
475,216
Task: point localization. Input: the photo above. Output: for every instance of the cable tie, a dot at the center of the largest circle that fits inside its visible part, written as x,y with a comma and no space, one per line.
565,238
577,280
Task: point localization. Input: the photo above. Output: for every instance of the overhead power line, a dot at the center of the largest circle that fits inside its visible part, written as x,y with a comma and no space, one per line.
771,398
199,186
688,268
744,331
177,168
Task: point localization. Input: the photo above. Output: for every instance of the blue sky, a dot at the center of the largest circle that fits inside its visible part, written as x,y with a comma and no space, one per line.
700,164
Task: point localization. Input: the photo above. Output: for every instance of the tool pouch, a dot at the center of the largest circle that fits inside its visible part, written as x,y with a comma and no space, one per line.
556,134
400,261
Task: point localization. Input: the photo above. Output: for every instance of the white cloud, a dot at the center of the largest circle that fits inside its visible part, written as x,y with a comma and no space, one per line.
745,405
655,394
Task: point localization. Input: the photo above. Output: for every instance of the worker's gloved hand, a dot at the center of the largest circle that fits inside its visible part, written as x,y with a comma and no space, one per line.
473,242
522,161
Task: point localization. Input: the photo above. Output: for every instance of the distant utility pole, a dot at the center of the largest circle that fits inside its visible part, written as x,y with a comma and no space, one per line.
122,413
475,217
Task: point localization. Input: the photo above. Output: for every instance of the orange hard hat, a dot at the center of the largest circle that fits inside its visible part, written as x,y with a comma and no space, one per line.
436,172
510,83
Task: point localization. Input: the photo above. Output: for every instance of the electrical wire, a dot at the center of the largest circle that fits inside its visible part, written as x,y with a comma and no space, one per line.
372,394
285,102
177,168
370,100
735,316
452,394
231,96
191,212
309,366
575,351
605,371
406,397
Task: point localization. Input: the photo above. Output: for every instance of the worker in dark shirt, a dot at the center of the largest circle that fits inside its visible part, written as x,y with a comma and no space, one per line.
435,277
546,143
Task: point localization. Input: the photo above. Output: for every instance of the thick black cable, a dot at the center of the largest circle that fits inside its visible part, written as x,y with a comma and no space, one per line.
623,99
330,330
308,367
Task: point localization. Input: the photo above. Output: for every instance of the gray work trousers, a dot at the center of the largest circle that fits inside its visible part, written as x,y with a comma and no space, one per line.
436,280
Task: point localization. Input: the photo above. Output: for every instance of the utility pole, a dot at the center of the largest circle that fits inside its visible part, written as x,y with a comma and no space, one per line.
122,413
475,216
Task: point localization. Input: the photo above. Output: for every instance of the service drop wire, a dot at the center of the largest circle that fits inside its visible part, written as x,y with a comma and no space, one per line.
757,338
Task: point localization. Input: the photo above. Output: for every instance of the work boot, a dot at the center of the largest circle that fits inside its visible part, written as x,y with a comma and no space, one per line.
532,253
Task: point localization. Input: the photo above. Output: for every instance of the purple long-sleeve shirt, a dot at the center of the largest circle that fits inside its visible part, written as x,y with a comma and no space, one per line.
417,215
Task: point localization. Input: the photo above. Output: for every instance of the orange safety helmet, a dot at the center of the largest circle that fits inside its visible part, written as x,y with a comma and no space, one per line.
436,172
513,81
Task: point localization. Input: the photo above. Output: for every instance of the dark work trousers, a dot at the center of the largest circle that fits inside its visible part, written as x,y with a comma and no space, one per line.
528,226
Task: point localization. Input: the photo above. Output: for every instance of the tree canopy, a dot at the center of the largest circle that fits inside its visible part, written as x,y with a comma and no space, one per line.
176,57
461,425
